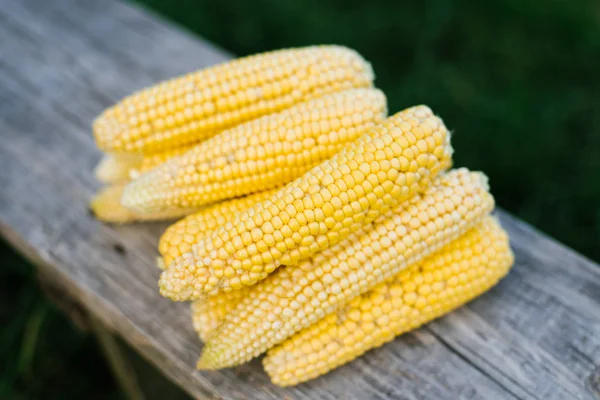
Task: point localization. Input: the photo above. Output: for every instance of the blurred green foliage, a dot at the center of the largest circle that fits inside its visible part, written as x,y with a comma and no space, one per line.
43,356
516,81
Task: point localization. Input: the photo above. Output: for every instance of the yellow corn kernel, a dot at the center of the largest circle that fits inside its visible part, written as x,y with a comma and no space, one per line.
209,312
115,167
296,297
325,197
259,155
179,237
106,206
413,297
196,106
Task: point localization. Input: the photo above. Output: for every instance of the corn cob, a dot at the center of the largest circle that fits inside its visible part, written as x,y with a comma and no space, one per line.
260,154
296,297
444,281
195,106
392,163
106,206
179,237
115,167
208,313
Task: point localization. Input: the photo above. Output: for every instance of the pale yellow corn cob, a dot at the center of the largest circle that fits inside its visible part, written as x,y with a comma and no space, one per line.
390,164
462,270
295,297
115,167
107,207
179,237
259,155
208,313
195,106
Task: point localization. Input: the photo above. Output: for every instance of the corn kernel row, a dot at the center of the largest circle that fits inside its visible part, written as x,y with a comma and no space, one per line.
106,206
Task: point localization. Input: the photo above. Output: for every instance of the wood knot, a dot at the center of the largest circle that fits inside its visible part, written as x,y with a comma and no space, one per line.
119,249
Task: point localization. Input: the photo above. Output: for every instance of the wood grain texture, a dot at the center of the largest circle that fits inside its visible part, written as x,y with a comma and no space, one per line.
534,336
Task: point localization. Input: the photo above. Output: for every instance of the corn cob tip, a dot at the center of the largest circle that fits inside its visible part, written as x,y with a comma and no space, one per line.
115,167
107,206
206,361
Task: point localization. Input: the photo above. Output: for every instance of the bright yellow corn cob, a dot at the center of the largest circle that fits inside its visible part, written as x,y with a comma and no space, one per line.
390,164
261,154
179,237
115,167
295,297
195,106
462,270
106,206
208,313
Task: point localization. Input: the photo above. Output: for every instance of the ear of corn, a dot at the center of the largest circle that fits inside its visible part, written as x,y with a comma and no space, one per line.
390,164
179,237
296,297
259,155
194,107
106,206
444,281
115,167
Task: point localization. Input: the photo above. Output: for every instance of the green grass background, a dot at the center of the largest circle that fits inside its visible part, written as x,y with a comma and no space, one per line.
516,81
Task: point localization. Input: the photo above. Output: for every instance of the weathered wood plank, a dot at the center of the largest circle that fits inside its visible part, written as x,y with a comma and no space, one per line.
536,335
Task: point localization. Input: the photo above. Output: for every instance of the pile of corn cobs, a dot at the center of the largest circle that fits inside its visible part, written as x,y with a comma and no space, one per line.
316,227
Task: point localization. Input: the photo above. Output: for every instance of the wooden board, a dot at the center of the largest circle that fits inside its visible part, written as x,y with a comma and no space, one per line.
535,336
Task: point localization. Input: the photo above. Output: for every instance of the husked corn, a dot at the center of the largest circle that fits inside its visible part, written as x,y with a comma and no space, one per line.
386,166
196,106
449,278
295,297
179,237
260,154
208,313
106,206
115,167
